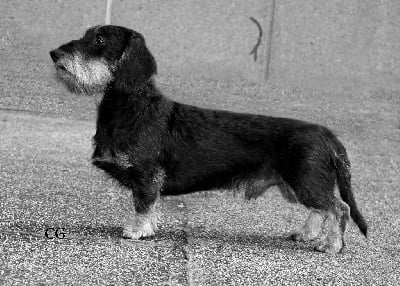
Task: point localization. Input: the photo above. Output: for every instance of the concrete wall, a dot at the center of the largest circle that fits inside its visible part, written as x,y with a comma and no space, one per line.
312,42
191,37
358,40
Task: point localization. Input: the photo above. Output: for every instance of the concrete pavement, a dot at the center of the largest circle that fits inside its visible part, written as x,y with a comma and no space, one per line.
213,238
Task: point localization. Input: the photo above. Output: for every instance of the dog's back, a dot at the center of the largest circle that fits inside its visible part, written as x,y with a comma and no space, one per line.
212,148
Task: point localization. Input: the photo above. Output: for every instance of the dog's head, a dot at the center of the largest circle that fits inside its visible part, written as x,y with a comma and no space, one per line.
105,56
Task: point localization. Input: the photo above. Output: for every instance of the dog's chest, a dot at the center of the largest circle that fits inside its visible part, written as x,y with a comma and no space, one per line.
111,148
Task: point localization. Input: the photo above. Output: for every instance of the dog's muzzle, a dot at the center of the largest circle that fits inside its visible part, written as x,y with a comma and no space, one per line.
80,73
56,55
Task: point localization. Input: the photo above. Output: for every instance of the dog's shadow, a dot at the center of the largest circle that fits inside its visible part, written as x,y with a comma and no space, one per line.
221,239
164,236
228,240
95,231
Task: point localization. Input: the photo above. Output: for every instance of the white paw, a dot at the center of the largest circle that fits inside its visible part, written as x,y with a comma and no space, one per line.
137,232
302,235
143,225
329,246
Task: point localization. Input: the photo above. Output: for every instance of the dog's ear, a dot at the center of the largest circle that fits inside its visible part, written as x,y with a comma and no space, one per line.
136,64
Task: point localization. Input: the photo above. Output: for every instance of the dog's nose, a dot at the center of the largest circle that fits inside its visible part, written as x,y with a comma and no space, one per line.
55,55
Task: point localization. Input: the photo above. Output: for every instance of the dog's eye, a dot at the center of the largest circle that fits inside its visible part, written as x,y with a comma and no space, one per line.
99,41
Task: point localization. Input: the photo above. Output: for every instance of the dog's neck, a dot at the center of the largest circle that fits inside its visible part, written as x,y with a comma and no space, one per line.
135,109
130,87
132,101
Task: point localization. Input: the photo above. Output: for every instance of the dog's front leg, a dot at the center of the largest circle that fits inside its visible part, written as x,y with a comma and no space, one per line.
146,198
143,224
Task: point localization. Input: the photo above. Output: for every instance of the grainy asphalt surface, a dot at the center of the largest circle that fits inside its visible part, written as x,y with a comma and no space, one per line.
212,238
204,239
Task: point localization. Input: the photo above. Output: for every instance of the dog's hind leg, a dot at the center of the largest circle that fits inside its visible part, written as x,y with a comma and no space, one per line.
337,214
311,229
144,223
337,220
325,206
313,184
314,223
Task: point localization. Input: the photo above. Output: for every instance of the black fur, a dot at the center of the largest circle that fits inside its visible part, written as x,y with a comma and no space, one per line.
141,133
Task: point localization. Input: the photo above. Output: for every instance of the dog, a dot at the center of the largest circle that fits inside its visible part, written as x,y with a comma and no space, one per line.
157,147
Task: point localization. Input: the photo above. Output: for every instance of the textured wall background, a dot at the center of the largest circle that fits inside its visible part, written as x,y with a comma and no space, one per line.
353,41
315,43
207,37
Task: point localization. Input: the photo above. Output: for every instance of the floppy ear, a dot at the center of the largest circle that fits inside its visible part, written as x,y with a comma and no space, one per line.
136,65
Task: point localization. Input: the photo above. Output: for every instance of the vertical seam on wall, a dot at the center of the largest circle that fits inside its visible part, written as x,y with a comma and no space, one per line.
270,38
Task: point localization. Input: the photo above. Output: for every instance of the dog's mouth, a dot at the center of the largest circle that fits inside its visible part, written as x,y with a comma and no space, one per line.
66,77
62,70
60,66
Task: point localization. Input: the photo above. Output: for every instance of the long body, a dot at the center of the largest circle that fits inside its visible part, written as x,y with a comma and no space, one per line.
200,149
154,146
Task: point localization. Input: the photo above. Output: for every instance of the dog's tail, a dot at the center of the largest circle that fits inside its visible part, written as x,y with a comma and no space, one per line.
343,177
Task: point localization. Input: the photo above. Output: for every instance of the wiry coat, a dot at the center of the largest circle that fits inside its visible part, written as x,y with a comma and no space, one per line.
156,146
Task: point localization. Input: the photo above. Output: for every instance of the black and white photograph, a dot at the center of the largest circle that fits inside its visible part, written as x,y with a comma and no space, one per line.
199,142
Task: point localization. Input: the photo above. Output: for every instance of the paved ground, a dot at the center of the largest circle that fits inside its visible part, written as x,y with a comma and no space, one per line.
206,238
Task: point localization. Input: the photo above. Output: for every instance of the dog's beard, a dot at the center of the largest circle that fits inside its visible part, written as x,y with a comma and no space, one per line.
88,77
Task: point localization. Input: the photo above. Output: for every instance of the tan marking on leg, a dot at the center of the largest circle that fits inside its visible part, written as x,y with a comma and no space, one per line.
158,179
145,224
344,216
311,229
288,193
142,225
334,241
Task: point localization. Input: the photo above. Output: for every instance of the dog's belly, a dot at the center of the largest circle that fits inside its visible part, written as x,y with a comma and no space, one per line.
201,171
213,157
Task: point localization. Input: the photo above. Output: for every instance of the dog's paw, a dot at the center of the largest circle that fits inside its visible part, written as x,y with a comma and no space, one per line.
328,246
302,235
133,232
